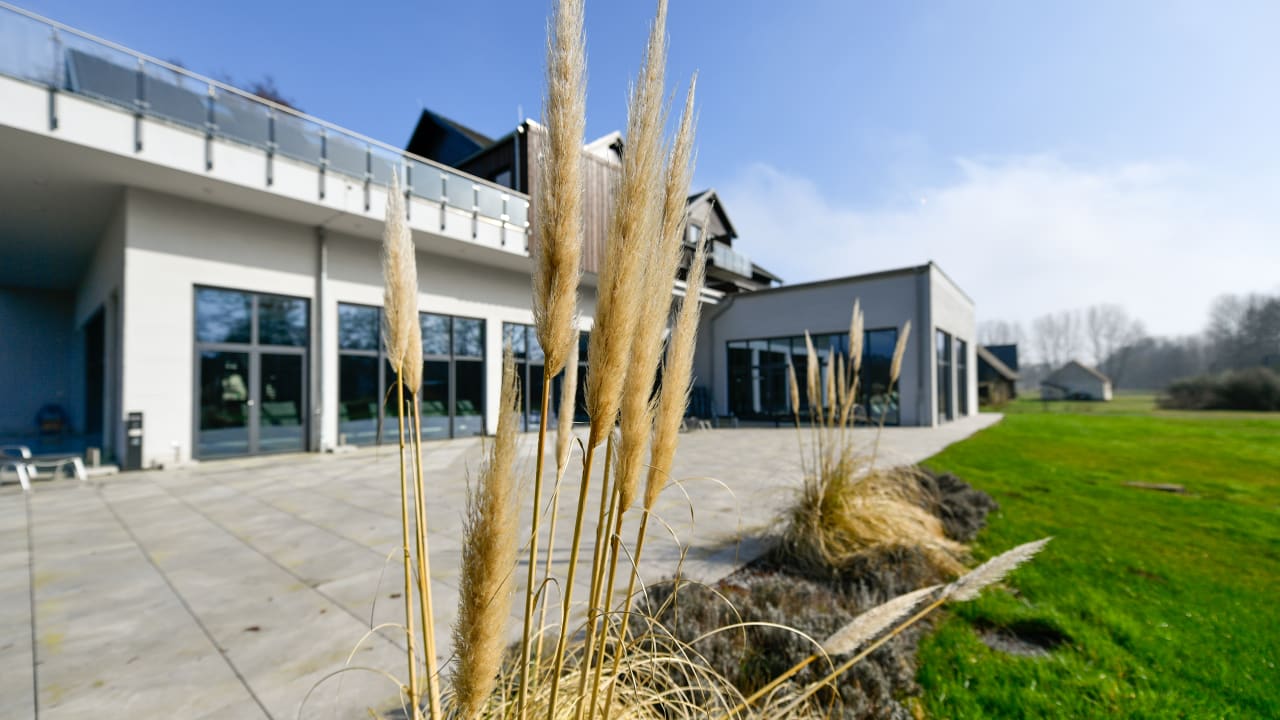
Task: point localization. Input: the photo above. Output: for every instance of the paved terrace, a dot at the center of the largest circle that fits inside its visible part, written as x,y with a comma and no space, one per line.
228,589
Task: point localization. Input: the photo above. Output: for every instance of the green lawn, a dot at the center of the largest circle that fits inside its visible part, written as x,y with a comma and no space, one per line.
1171,602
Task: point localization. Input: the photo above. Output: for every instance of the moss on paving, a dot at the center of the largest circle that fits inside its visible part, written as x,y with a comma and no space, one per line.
1169,603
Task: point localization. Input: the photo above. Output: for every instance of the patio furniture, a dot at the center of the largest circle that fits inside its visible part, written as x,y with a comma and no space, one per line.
29,467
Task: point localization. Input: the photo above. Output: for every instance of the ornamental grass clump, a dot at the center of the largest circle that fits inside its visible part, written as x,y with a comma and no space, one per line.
847,505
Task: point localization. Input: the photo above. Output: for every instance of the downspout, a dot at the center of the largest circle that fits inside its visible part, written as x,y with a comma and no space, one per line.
318,353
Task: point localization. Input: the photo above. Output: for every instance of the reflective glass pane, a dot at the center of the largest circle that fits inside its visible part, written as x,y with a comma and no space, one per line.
489,201
425,180
876,397
92,75
282,321
176,97
224,402
347,156
460,192
382,166
435,334
741,388
518,211
358,327
27,50
435,399
223,316
358,398
535,350
533,397
282,407
240,118
468,337
392,407
468,417
297,138
513,336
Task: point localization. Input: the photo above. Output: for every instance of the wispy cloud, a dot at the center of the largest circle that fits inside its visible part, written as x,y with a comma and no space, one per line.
1028,235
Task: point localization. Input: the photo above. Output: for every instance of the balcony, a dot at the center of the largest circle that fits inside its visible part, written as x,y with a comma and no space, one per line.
236,127
730,260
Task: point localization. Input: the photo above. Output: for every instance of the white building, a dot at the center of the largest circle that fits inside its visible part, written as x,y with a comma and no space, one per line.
746,343
1076,381
189,272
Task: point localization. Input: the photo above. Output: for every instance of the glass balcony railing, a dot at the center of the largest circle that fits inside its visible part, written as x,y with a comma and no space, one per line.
725,257
41,51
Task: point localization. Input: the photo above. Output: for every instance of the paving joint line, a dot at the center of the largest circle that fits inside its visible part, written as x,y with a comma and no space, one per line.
183,601
31,594
363,622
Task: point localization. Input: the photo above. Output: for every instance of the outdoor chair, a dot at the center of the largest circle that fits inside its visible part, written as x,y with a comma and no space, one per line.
29,467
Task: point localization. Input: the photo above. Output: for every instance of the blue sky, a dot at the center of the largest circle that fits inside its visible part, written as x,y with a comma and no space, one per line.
1048,155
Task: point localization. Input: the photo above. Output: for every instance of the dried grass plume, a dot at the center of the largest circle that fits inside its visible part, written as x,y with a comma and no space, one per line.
488,560
558,213
400,295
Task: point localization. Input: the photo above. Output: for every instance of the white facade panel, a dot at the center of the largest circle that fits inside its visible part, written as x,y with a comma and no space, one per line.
887,301
952,312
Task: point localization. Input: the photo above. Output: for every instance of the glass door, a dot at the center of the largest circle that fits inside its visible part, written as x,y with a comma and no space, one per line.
251,373
280,403
224,404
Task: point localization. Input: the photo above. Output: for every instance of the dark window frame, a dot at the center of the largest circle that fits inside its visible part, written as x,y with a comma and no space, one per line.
253,349
822,346
452,358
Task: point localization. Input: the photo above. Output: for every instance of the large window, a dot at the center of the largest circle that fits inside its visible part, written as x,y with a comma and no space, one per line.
523,340
452,396
962,376
250,374
942,344
758,383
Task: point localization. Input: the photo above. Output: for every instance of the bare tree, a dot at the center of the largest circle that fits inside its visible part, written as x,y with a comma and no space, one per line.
1111,332
1001,332
1057,337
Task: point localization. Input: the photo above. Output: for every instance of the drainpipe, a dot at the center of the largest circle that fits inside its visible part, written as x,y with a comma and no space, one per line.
318,351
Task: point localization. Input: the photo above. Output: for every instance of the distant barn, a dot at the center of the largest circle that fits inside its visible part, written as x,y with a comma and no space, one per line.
1076,381
997,374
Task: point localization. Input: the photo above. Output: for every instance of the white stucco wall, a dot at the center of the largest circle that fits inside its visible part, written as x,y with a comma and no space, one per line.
173,245
887,301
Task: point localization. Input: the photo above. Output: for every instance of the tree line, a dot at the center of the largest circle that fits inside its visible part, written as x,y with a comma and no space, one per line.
1242,331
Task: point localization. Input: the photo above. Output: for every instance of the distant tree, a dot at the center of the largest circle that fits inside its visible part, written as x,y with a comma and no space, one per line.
1244,331
1111,333
267,90
1000,332
1057,337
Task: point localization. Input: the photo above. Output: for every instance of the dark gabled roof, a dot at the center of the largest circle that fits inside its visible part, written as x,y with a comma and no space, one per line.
710,196
985,355
444,140
1008,354
1082,366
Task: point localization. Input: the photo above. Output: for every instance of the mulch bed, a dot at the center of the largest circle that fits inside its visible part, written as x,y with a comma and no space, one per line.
818,604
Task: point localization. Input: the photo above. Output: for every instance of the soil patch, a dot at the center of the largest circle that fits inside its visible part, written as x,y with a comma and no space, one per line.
1026,638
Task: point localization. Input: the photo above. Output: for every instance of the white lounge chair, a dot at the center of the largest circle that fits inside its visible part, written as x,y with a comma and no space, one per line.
29,467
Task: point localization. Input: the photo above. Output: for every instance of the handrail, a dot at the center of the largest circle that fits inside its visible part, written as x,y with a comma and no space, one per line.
251,97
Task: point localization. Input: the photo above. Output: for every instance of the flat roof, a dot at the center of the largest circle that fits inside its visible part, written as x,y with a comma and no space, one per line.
863,277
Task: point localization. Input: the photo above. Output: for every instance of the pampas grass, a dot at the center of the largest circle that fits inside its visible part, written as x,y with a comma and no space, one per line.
631,229
400,316
488,556
559,250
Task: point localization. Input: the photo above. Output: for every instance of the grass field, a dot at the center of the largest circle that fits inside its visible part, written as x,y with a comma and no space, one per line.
1169,604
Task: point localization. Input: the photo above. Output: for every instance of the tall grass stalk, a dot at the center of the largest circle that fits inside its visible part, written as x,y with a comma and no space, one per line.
490,540
558,260
400,302
618,292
